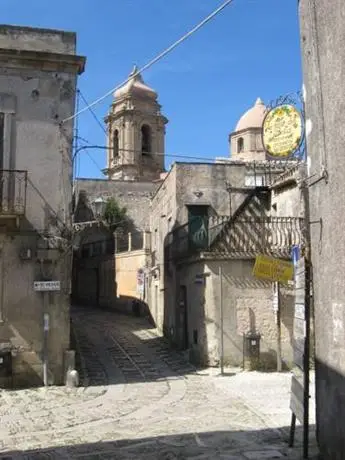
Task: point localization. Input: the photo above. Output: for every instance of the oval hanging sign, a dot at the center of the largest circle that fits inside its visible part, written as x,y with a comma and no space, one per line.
282,131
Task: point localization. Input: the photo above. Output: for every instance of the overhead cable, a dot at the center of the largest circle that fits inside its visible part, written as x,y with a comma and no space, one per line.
88,106
154,60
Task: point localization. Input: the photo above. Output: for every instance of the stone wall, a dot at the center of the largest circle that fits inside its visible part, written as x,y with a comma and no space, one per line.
38,71
135,196
287,197
323,53
36,39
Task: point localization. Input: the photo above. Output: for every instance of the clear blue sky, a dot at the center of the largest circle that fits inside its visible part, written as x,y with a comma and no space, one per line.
251,49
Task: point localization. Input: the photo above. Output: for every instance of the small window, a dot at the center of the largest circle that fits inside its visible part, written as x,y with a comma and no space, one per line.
145,139
240,145
85,251
254,180
115,143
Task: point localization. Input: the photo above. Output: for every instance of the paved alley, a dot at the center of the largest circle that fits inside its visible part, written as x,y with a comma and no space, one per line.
140,400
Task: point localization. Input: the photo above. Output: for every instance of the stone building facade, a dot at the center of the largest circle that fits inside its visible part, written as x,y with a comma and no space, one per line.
38,75
184,284
211,217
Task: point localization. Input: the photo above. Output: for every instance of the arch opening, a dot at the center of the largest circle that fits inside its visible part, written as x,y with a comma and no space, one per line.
146,139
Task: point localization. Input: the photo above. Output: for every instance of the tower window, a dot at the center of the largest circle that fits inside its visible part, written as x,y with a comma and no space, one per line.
115,143
240,145
145,139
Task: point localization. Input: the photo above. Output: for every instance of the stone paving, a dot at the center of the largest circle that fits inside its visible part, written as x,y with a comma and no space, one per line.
144,401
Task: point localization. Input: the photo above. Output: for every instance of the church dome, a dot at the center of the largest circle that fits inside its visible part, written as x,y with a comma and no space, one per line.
253,118
135,87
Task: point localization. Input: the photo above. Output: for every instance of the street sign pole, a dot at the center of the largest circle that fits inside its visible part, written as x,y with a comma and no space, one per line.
221,321
45,287
45,339
276,308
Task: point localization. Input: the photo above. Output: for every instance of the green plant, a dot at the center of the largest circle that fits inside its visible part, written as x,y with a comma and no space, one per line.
114,215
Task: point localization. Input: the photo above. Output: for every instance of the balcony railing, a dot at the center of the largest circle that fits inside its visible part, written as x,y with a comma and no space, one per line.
13,185
247,237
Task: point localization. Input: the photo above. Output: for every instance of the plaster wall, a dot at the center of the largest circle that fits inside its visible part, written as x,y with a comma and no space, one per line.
34,101
323,55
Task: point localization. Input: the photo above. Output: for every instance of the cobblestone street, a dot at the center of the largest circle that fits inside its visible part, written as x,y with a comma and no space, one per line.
140,400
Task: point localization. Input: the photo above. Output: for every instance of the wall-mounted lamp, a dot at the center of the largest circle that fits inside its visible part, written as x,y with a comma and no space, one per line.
198,194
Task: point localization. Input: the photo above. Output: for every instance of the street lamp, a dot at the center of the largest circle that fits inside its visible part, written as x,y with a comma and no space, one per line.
99,205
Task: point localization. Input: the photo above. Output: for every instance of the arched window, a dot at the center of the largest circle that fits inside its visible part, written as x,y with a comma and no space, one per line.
240,145
145,139
115,143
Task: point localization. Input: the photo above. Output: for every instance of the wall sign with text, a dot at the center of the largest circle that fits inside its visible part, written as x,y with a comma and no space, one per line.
282,131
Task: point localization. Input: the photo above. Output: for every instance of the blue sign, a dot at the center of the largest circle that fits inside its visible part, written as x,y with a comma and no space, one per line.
295,254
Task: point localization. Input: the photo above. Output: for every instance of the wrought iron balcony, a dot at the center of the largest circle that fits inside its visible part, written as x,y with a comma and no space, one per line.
243,237
267,235
13,184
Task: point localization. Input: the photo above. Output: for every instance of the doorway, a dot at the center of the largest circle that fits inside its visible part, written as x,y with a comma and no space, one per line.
183,314
156,305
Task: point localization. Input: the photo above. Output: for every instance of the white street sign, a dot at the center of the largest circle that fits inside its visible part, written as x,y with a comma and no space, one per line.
47,286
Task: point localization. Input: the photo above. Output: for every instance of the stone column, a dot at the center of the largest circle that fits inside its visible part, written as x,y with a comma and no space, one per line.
146,240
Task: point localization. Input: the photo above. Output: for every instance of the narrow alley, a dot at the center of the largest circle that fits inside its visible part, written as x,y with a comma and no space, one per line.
140,400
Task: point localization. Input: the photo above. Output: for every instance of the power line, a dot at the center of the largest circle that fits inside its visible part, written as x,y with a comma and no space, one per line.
84,140
172,155
156,59
88,106
94,161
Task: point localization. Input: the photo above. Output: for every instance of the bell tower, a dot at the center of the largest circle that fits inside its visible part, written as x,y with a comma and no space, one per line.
136,133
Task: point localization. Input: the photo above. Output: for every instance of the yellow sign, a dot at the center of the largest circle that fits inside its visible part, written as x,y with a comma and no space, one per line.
273,269
282,131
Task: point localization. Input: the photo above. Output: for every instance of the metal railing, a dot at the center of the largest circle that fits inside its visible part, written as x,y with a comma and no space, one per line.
13,185
252,235
266,235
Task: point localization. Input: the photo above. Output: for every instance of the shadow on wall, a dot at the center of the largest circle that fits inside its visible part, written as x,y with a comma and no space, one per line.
330,410
94,261
32,254
182,315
